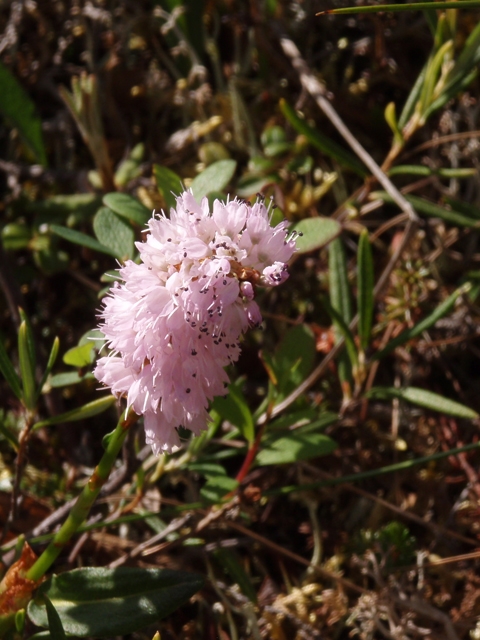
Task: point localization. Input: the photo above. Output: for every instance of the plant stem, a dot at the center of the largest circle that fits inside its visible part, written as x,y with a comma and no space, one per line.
85,500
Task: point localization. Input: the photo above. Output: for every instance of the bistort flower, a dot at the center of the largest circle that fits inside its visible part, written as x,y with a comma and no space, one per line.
176,320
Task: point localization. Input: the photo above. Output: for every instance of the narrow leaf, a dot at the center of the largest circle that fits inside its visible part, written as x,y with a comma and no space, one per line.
410,6
16,105
102,602
127,207
426,399
9,373
54,623
431,209
77,237
232,565
169,185
234,408
321,142
340,298
51,361
214,178
408,334
66,379
29,337
316,233
344,330
81,413
365,284
27,369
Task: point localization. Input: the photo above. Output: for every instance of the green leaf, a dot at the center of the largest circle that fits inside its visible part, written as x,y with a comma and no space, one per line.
16,236
230,562
443,172
461,74
51,361
115,233
410,6
294,358
77,237
343,328
54,623
127,207
340,299
80,413
9,373
316,233
294,447
214,178
424,398
29,337
27,367
431,209
234,408
217,487
365,284
321,142
66,379
19,109
169,185
408,334
102,602
80,356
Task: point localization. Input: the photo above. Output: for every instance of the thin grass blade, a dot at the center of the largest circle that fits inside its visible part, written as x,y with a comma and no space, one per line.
365,296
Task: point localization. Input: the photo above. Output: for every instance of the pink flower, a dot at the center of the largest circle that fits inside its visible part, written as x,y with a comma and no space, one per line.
176,320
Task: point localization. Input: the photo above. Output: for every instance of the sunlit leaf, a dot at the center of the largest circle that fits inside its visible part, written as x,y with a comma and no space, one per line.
316,233
426,399
124,205
113,232
77,237
103,602
169,185
80,413
214,178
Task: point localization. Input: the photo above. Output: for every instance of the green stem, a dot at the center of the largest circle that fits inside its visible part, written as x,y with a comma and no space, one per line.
355,477
85,500
411,6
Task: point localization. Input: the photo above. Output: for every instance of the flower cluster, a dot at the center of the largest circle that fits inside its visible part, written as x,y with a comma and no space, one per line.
176,320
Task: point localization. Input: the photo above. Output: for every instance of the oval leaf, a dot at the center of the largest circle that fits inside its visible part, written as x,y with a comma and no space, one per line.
316,233
214,178
127,207
115,233
168,183
426,399
80,356
294,447
103,602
